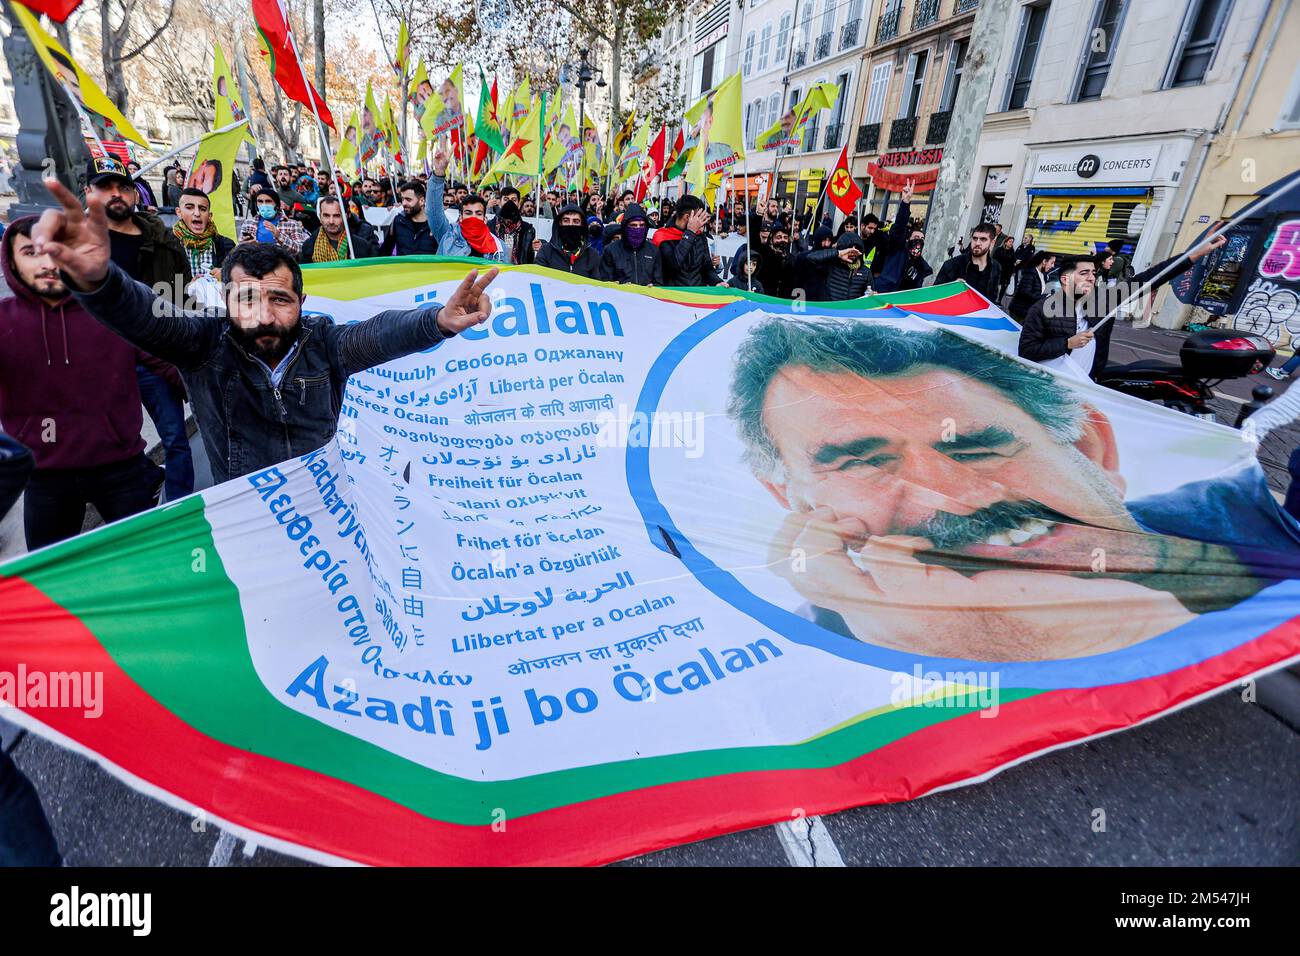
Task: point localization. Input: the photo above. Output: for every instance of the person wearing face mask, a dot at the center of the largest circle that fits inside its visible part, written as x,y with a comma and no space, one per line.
569,251
271,225
509,227
632,257
808,276
470,236
901,265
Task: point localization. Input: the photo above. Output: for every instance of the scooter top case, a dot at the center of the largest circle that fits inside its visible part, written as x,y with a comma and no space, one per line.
1224,353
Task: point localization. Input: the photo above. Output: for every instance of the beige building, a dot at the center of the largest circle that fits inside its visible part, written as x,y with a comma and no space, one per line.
1258,143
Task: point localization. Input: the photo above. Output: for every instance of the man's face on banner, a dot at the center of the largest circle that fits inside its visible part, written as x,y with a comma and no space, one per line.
450,99
907,491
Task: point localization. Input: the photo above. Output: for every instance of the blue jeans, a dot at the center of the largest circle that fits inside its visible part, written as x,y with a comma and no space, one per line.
1293,363
25,835
168,413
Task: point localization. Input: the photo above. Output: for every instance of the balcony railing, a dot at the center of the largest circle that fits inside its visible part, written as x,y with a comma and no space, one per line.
902,133
800,58
887,28
868,138
849,34
965,6
937,133
810,138
833,133
926,12
823,49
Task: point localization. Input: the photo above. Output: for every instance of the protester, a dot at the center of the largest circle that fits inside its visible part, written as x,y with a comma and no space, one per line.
902,261
976,267
173,186
147,199
514,233
1121,267
845,268
744,270
272,225
69,391
258,178
410,233
330,242
149,252
568,249
632,257
684,248
197,233
1031,284
468,237
1006,259
266,381
284,188
809,278
529,209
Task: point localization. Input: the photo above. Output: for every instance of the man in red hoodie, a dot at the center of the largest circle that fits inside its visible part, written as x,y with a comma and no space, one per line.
68,391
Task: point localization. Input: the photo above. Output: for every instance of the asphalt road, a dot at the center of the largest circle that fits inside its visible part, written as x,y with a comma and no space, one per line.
1213,784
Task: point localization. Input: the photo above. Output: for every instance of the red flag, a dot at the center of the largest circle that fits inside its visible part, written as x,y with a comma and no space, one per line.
278,44
842,190
652,165
58,10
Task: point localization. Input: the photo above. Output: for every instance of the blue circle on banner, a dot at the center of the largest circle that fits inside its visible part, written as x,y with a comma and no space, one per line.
1210,634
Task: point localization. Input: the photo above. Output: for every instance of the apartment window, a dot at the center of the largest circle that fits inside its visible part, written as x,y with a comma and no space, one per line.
773,110
783,36
753,121
748,62
952,82
805,26
1197,42
913,85
881,74
765,48
828,16
836,119
706,69
1032,21
1100,45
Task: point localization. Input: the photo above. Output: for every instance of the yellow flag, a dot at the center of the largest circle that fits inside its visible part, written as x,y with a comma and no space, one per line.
593,147
630,162
346,158
74,80
718,132
229,104
520,105
451,100
523,156
371,134
213,165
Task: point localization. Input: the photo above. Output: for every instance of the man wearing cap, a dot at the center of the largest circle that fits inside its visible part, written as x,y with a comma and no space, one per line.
149,252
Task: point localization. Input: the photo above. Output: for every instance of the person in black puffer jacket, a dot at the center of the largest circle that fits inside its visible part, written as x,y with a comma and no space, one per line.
846,275
568,249
684,246
632,257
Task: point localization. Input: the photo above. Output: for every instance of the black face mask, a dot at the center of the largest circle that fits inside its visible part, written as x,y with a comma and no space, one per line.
594,230
510,212
571,236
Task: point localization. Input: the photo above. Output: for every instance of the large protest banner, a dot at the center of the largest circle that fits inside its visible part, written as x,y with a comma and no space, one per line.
626,567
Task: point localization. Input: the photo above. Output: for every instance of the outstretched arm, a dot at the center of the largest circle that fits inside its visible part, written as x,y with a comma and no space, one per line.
78,242
390,335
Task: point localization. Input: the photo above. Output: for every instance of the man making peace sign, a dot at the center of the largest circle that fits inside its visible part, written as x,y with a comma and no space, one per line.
265,380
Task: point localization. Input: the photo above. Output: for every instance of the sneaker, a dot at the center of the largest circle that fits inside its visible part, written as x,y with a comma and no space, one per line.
1278,374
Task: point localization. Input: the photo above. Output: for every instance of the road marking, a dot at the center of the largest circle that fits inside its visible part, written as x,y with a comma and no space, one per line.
222,851
807,842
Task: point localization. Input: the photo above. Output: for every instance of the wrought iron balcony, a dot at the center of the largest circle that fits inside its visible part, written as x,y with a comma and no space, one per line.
926,12
810,138
849,34
965,6
833,133
937,133
823,49
902,133
800,58
868,138
887,27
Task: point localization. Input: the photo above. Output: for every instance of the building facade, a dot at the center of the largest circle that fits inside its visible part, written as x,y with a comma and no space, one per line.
1099,117
910,79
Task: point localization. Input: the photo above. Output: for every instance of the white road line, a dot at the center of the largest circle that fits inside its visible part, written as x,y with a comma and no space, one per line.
249,849
221,853
807,842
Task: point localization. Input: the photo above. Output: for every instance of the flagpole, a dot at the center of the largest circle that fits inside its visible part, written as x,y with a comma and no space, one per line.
324,139
84,115
194,142
749,240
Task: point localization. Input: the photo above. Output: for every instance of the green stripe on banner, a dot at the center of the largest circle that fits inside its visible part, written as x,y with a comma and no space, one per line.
137,587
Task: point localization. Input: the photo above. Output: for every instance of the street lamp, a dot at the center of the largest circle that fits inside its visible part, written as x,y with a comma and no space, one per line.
585,76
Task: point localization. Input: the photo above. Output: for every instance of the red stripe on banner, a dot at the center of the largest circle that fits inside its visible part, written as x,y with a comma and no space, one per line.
961,303
309,809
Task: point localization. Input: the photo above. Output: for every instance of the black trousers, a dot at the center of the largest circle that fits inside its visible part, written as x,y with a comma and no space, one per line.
54,503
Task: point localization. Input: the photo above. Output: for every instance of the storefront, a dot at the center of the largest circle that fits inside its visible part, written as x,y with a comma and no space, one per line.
1079,198
802,188
892,171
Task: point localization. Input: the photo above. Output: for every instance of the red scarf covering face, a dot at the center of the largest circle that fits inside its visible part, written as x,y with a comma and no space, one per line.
477,234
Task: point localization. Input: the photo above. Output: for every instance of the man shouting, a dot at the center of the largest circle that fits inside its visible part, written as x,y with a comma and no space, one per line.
265,380
948,500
